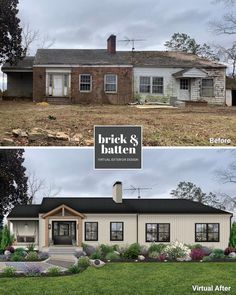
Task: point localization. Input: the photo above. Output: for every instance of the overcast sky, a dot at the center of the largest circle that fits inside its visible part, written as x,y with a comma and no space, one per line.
71,171
87,24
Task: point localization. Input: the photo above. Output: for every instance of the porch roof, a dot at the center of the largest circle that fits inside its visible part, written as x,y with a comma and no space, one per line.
191,73
25,211
24,65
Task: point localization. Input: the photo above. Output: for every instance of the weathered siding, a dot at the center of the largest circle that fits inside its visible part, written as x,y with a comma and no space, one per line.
172,85
20,85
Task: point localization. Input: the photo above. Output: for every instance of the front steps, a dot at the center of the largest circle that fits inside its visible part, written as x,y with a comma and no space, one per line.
59,100
63,253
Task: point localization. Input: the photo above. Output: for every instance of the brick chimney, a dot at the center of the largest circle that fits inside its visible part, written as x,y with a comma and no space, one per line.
117,192
111,44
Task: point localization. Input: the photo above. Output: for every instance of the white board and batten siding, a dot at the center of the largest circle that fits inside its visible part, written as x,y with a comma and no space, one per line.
182,227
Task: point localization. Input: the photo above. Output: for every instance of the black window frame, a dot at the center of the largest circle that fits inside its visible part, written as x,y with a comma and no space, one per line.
158,232
184,84
207,233
85,231
111,231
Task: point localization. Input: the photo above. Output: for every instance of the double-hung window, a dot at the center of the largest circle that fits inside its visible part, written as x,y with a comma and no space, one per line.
152,85
157,232
207,232
85,83
110,83
117,231
91,231
207,88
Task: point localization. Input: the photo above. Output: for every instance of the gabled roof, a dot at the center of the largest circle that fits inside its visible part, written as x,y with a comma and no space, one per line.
137,58
24,64
191,73
108,206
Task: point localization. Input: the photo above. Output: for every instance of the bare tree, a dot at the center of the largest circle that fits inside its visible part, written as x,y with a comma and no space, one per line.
39,187
33,38
228,23
226,176
228,55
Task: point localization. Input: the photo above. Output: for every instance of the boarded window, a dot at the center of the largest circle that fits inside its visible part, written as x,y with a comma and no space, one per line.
111,83
207,88
207,232
85,83
157,232
184,84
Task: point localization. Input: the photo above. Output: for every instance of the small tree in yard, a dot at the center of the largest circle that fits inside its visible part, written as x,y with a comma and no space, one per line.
6,239
232,239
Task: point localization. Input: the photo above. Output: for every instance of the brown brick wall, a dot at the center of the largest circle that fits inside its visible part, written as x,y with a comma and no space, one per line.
39,84
98,95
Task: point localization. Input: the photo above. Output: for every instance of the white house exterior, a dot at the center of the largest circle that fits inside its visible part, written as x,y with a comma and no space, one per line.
73,221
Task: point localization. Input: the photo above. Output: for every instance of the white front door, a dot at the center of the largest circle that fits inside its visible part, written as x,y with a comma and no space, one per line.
58,85
185,87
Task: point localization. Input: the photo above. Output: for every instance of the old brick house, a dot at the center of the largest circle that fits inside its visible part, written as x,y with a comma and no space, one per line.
115,77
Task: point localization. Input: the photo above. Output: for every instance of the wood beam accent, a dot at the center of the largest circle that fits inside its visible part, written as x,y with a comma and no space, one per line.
63,207
46,233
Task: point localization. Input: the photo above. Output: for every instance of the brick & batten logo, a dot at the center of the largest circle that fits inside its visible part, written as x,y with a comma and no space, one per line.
118,147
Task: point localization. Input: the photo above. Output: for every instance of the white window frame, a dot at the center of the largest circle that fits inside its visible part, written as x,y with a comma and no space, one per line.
105,83
213,87
91,83
151,85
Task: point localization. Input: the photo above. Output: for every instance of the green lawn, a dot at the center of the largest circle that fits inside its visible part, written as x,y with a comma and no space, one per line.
129,278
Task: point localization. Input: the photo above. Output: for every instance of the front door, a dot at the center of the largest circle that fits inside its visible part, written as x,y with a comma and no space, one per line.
57,85
184,92
233,98
64,233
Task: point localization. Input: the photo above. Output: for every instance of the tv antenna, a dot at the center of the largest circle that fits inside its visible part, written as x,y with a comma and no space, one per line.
132,41
138,189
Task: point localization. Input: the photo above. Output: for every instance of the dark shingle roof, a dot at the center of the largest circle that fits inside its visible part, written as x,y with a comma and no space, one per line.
138,58
107,205
25,211
24,64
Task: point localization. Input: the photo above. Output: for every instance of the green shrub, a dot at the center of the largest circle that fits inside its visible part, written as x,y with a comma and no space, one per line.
156,248
9,271
96,255
32,256
31,247
105,249
133,251
232,239
54,271
17,257
74,269
154,254
6,238
20,251
112,256
206,259
217,254
83,262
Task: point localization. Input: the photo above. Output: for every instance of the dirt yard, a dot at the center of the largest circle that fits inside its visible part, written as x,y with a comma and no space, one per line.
162,127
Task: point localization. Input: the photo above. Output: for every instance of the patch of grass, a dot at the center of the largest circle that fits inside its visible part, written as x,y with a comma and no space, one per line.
129,279
164,127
